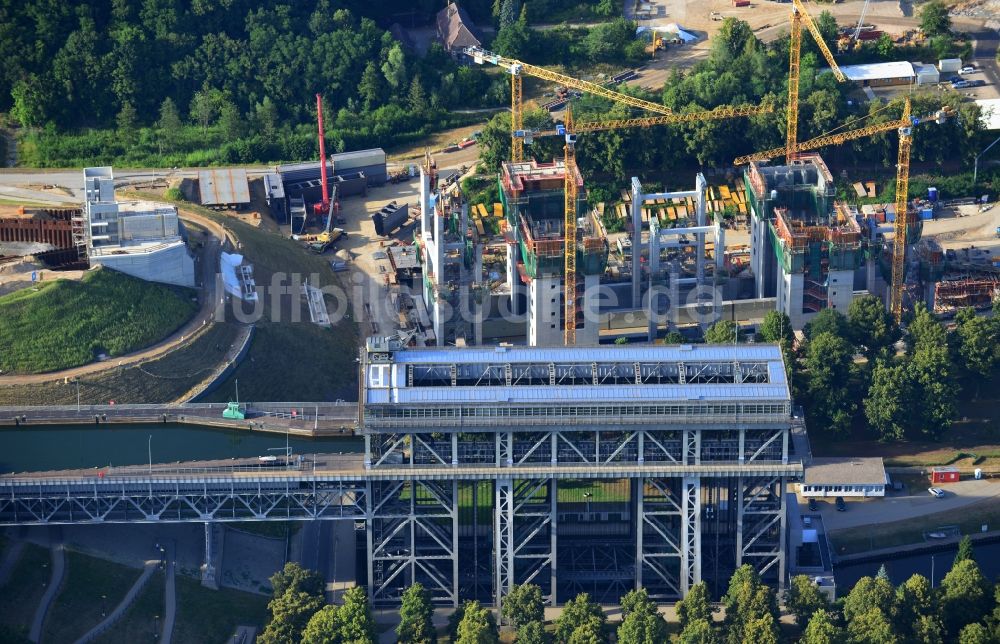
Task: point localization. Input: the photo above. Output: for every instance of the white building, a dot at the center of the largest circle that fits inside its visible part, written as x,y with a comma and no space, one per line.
838,476
139,238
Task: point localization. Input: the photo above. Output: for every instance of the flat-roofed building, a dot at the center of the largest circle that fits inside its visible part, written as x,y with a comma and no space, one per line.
844,476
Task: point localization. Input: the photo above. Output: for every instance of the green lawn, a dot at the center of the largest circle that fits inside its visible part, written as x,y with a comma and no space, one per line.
162,380
910,531
288,360
144,620
66,323
211,616
91,586
27,583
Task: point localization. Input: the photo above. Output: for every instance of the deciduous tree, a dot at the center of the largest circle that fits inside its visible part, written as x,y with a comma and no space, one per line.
524,603
804,598
965,595
871,326
822,629
416,617
700,631
323,627
576,613
355,615
477,626
934,18
871,627
694,606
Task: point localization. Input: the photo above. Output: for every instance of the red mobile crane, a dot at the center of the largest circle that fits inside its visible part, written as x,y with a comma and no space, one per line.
323,208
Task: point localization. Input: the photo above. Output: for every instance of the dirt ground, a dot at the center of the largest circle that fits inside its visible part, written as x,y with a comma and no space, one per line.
965,226
368,272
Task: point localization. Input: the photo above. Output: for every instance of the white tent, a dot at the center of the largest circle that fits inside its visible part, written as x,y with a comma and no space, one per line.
671,30
228,264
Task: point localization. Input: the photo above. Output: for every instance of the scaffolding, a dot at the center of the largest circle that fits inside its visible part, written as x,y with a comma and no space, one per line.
966,290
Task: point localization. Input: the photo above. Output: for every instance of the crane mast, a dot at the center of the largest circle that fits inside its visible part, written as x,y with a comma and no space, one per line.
569,236
901,227
325,206
792,130
800,15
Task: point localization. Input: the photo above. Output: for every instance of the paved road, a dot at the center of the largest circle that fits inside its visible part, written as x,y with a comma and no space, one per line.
58,570
897,508
170,609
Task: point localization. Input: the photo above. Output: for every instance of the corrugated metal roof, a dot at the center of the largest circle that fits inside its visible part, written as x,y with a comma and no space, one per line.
223,186
358,159
603,353
878,71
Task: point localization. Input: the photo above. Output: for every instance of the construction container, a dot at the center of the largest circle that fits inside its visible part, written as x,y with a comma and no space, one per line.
926,213
370,162
949,65
390,218
945,475
932,194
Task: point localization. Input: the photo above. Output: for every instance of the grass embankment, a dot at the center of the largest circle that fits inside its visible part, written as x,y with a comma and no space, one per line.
157,381
143,621
205,615
289,360
911,531
24,589
91,587
66,323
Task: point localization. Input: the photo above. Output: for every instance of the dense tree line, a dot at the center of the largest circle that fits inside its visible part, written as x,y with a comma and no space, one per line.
965,608
242,73
907,391
740,69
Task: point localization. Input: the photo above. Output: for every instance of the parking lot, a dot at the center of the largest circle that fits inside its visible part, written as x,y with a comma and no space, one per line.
915,502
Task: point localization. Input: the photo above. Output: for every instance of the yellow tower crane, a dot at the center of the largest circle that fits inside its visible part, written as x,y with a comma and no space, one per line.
904,125
517,69
569,234
519,136
798,16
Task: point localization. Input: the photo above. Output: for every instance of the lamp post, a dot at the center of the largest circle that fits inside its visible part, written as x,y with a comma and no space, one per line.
975,166
588,495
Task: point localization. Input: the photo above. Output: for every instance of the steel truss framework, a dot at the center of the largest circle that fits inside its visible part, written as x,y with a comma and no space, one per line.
671,513
178,499
412,532
578,447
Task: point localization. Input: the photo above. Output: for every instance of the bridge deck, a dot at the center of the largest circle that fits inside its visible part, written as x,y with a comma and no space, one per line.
350,467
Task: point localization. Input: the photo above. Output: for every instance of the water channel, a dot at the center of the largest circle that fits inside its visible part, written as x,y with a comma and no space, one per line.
902,568
56,447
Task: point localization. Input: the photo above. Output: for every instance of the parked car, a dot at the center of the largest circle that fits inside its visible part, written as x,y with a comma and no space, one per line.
936,492
961,85
841,506
976,83
955,79
807,522
812,505
968,69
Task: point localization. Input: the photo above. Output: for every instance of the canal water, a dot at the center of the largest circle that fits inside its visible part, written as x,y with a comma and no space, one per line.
56,447
902,568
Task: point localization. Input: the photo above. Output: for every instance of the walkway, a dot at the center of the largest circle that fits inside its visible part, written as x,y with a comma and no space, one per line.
184,335
170,613
58,570
120,609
